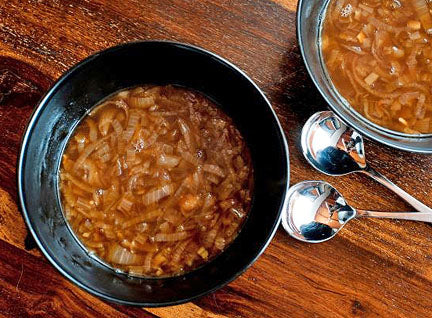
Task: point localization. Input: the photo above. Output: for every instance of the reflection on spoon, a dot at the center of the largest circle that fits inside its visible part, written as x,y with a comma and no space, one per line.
335,149
315,212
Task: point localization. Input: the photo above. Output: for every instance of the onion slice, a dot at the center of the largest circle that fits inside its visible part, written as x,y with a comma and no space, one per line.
132,124
215,169
149,216
93,135
423,13
157,194
141,102
187,135
88,151
120,255
80,184
170,237
105,120
168,161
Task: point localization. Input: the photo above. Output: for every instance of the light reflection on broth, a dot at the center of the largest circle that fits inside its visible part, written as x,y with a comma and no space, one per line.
156,181
379,57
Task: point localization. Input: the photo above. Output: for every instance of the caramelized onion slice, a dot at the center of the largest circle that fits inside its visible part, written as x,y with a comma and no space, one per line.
422,10
80,184
141,102
120,255
88,151
105,120
170,237
148,216
157,194
215,169
132,125
168,161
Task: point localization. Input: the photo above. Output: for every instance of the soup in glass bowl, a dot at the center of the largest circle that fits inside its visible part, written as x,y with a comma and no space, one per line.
382,99
379,57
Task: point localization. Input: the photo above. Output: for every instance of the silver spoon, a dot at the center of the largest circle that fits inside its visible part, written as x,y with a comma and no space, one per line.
315,212
336,149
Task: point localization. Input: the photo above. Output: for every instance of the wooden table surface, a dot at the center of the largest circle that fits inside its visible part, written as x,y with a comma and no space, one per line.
373,268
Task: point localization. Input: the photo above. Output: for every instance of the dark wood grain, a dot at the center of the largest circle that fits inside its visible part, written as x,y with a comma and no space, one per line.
375,268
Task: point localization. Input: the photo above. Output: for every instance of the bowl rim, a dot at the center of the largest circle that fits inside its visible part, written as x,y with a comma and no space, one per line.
41,106
381,134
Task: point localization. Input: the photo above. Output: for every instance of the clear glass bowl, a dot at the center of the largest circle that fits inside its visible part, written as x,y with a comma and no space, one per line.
310,14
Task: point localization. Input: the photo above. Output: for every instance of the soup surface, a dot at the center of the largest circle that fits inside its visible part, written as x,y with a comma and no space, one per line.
378,54
156,181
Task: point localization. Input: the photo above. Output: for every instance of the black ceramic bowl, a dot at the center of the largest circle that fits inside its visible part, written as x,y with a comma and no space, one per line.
126,66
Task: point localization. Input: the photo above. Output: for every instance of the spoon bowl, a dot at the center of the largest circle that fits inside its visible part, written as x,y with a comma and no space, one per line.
335,149
315,212
331,146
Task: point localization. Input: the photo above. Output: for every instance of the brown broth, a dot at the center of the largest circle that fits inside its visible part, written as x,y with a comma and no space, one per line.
379,57
156,181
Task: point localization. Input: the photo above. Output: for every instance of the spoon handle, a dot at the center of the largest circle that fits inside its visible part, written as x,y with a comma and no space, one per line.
412,216
416,204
